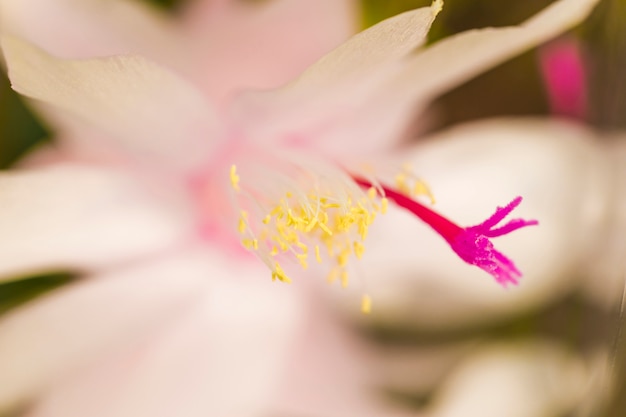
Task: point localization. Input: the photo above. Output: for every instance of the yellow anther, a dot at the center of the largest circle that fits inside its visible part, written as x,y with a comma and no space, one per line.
279,274
332,275
302,258
342,258
267,219
371,193
250,244
402,184
384,205
318,257
311,225
366,304
344,278
242,225
274,251
234,178
325,229
359,249
302,246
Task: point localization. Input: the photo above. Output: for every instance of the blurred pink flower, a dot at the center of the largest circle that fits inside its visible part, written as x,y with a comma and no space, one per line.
187,162
563,70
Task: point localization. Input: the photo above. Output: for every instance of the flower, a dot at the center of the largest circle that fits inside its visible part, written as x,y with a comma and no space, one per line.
564,76
183,170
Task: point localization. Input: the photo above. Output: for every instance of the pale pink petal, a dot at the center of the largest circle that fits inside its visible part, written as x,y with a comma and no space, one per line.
331,374
150,112
72,217
88,28
414,278
222,357
74,326
372,112
378,46
245,45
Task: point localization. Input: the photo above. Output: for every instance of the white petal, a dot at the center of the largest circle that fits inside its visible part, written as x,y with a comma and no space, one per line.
323,105
330,373
244,45
72,217
380,45
88,28
149,111
74,326
414,277
373,109
221,358
524,380
461,57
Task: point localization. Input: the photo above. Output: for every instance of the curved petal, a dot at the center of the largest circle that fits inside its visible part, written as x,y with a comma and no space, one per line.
330,373
77,217
416,280
523,380
388,41
71,327
461,57
88,28
371,112
221,357
152,114
243,45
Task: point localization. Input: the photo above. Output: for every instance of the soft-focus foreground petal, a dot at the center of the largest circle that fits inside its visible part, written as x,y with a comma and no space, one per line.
521,380
77,217
88,28
264,44
75,325
221,356
564,177
149,111
330,373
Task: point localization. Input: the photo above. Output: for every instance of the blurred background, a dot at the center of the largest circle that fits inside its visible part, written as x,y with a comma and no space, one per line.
514,88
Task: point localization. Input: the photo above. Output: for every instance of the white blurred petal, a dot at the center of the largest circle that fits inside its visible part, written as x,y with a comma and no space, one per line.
373,109
88,28
222,357
77,217
415,278
330,373
73,326
525,380
147,110
378,46
245,45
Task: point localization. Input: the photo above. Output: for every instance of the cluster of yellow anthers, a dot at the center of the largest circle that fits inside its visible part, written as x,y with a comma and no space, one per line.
317,223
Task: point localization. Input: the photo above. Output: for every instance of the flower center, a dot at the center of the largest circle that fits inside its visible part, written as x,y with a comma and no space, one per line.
310,213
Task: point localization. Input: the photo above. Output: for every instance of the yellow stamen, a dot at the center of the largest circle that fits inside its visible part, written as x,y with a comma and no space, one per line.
234,178
366,304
